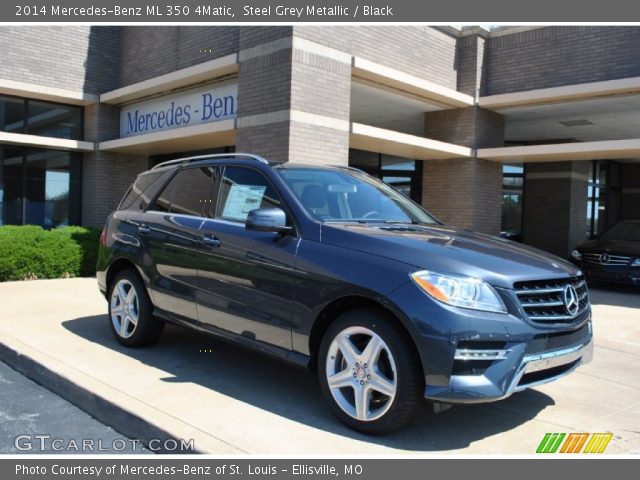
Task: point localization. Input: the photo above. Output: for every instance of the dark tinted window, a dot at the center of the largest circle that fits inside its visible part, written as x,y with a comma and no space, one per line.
54,120
12,114
242,190
140,188
34,117
188,193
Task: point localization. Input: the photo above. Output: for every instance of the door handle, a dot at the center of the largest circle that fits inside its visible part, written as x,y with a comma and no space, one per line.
211,240
144,230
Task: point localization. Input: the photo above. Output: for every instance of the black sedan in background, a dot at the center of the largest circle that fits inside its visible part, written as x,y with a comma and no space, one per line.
614,256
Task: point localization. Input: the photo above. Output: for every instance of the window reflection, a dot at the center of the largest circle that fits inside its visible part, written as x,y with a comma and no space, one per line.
11,114
35,117
52,120
39,187
512,195
404,174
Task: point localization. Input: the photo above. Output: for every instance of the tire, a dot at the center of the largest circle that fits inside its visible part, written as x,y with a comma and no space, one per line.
131,311
389,385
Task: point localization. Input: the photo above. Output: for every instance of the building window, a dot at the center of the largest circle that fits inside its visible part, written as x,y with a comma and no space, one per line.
597,198
39,187
35,117
404,174
512,195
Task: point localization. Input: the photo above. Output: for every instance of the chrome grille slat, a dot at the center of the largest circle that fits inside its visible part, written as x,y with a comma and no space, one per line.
551,318
542,304
543,300
613,259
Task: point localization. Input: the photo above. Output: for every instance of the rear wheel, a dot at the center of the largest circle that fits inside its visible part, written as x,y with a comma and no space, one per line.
131,312
370,372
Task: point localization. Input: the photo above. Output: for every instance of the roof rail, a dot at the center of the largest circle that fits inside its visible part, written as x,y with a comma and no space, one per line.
180,161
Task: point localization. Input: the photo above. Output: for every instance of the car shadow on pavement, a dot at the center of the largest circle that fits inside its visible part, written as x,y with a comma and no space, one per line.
191,357
626,296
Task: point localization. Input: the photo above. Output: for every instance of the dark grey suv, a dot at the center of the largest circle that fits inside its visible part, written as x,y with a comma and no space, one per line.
331,269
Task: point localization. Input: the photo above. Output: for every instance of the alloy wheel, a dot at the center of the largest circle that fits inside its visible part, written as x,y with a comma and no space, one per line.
124,308
361,373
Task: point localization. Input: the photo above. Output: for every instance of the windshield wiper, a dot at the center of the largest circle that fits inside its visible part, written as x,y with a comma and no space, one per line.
407,222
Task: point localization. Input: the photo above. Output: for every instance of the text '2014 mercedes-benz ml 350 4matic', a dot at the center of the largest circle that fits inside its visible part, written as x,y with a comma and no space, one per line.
332,269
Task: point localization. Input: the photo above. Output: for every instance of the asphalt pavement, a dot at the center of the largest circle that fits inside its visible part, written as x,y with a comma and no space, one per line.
37,421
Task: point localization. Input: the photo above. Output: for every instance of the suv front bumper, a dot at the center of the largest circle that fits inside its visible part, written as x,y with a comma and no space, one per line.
515,372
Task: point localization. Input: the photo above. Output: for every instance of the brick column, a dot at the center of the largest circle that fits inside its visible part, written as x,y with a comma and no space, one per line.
465,192
555,205
293,98
105,175
630,194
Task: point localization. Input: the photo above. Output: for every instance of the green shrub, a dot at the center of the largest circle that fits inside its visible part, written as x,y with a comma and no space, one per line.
30,252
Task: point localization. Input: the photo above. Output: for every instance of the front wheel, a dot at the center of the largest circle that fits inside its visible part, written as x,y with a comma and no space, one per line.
131,312
370,372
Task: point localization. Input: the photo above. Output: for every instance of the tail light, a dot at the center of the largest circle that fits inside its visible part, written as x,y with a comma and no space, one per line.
103,236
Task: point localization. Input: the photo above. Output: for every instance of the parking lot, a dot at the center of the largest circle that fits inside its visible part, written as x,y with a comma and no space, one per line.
230,400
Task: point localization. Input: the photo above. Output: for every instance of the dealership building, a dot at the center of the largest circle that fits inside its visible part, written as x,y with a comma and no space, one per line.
532,132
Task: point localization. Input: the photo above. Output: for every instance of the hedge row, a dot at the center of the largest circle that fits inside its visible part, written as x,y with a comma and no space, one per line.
30,252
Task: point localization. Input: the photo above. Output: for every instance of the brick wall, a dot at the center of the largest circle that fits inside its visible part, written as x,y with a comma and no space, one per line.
272,84
105,178
423,51
71,57
149,51
555,205
630,201
470,54
465,192
473,127
105,175
560,55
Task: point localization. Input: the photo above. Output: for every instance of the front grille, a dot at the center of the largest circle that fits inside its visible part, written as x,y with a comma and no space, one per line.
543,300
556,341
606,259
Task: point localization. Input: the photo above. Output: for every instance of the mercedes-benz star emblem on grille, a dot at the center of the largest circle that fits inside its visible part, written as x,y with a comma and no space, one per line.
604,258
571,302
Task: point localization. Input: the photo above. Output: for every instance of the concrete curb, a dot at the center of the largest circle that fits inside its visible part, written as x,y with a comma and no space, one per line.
103,410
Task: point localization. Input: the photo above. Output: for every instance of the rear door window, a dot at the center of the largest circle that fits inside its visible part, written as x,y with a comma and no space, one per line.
141,189
190,192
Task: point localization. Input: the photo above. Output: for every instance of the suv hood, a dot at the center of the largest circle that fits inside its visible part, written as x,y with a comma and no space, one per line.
445,249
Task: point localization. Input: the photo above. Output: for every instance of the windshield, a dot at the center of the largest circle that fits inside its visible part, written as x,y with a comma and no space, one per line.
352,196
627,231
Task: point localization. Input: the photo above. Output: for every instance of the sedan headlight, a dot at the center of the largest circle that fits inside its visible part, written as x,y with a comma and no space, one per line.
576,255
636,263
465,292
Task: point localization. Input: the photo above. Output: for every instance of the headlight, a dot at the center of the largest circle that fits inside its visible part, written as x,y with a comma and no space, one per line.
636,263
576,254
465,292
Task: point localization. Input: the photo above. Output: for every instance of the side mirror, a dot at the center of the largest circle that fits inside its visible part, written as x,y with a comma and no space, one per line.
267,220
